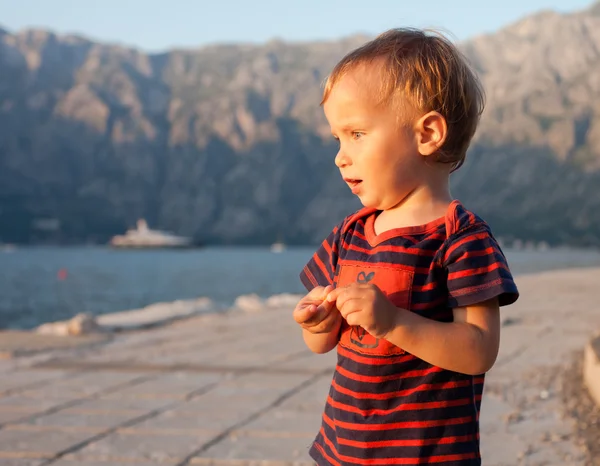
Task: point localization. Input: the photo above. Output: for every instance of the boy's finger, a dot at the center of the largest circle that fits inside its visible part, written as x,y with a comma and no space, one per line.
350,306
332,296
303,314
323,311
340,295
318,293
323,326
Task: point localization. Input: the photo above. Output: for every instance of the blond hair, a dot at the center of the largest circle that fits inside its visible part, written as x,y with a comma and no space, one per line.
428,70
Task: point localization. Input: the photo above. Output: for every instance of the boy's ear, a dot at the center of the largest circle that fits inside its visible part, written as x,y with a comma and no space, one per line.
431,131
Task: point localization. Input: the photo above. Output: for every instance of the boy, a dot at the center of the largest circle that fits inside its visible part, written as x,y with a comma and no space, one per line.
409,287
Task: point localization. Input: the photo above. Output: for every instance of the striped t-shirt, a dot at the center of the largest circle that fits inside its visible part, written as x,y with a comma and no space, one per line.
386,406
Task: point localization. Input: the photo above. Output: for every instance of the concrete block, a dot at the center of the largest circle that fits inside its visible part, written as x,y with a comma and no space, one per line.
591,368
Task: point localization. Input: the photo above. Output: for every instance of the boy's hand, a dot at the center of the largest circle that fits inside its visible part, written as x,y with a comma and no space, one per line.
315,314
366,306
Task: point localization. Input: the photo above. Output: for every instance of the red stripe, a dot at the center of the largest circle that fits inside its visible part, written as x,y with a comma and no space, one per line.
310,276
387,248
401,425
472,219
427,287
374,360
429,304
411,238
386,378
359,235
480,270
327,420
476,288
327,247
407,443
402,407
466,239
470,254
325,455
388,395
438,236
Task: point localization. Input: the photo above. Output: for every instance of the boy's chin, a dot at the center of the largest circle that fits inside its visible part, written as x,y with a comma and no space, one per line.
368,203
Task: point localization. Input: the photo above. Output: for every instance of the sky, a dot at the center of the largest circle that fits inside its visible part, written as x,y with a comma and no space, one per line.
157,25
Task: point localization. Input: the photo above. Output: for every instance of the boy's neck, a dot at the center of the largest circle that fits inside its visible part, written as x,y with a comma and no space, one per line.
420,207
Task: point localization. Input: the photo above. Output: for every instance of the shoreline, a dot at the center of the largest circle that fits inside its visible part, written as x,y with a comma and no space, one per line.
102,283
163,313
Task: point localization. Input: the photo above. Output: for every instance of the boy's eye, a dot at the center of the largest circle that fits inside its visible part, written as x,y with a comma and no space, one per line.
357,134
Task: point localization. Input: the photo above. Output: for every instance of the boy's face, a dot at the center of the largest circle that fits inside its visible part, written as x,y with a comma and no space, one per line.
378,157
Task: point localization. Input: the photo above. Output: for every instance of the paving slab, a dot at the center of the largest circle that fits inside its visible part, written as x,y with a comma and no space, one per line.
20,462
85,385
44,442
123,404
287,423
144,446
310,398
80,461
174,386
15,343
247,447
96,421
13,381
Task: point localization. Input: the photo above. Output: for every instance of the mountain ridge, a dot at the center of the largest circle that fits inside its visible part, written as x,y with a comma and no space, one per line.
228,143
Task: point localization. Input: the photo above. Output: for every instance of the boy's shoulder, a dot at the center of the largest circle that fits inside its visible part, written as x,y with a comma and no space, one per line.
458,219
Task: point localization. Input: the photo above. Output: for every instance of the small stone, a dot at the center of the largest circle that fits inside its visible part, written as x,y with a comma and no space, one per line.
508,321
82,324
544,394
513,417
249,303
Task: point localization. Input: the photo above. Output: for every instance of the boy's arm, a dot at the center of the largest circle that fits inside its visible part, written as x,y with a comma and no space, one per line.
319,272
468,345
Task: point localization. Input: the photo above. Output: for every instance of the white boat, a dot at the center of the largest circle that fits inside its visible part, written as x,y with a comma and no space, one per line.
7,247
278,247
144,237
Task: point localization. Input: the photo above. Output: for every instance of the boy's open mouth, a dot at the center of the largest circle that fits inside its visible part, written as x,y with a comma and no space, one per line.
353,183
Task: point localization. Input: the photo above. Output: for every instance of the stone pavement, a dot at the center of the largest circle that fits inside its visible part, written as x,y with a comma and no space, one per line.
241,389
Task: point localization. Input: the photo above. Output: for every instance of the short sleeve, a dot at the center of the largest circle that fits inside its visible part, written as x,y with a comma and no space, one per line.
477,269
320,269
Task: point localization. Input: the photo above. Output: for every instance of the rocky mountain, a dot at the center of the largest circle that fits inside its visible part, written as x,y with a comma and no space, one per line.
227,143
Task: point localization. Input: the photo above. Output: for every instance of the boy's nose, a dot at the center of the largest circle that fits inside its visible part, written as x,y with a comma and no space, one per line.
342,160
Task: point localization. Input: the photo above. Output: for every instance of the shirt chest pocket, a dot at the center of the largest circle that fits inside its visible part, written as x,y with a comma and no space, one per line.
395,283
